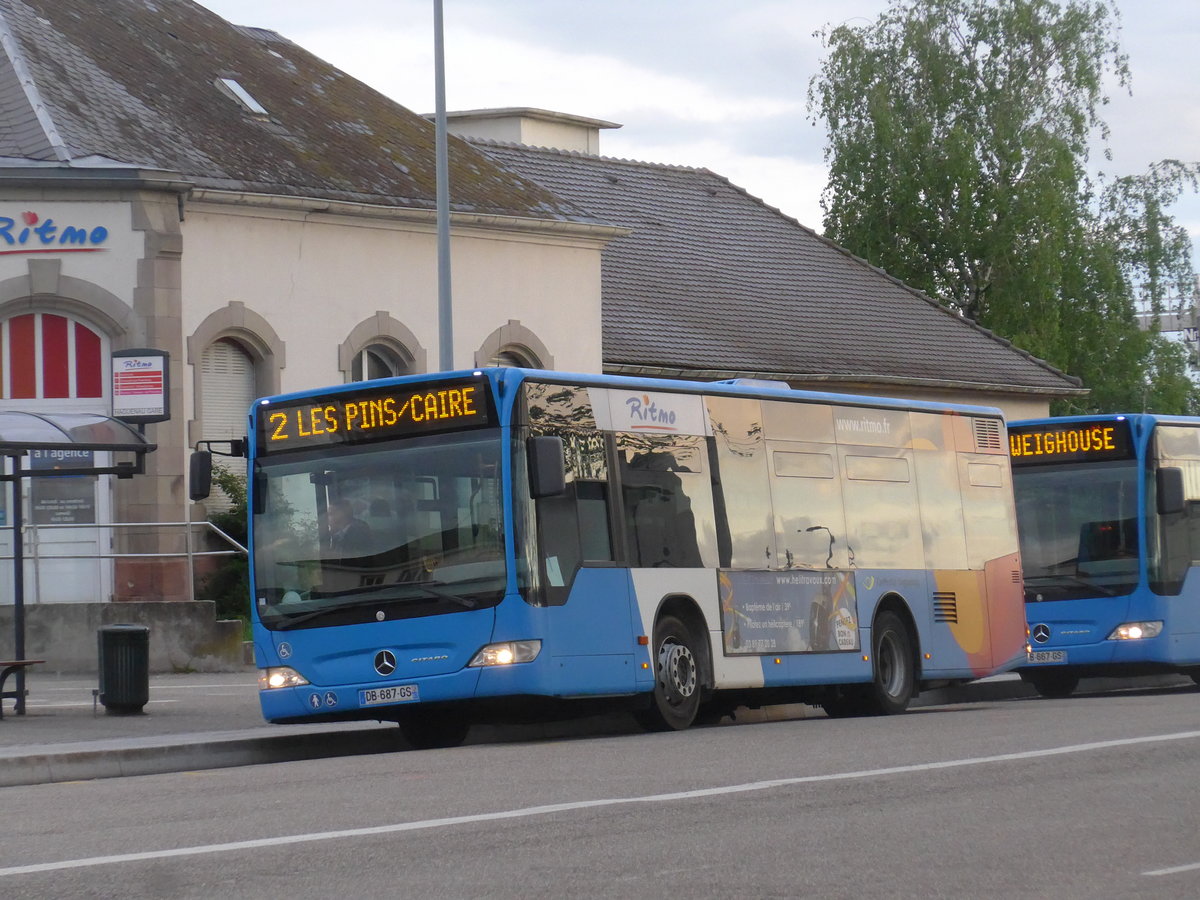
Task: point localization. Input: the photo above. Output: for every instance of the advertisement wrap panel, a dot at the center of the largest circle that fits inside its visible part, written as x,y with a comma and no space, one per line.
793,611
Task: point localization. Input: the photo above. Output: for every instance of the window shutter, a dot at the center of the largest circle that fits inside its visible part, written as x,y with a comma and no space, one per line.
227,390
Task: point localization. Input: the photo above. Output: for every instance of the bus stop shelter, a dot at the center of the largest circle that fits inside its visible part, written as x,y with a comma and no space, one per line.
22,432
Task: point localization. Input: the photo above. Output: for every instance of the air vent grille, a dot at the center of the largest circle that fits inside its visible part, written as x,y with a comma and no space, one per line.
945,607
988,435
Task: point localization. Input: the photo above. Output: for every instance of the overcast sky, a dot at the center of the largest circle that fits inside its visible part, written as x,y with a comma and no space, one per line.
709,83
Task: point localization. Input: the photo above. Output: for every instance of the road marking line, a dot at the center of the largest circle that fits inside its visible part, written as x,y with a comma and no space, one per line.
531,811
1190,867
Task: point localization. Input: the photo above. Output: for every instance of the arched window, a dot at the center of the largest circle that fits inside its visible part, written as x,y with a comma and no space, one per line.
514,345
47,356
227,381
380,347
511,357
377,361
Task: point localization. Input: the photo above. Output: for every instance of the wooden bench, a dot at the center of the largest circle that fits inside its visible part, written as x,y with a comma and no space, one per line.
7,667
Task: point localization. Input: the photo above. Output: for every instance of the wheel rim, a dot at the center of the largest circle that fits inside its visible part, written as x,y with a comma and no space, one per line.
890,665
676,671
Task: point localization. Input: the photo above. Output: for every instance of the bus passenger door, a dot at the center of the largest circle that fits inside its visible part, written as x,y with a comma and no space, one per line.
592,640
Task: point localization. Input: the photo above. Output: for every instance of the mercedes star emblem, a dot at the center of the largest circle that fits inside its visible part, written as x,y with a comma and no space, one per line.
385,662
1041,633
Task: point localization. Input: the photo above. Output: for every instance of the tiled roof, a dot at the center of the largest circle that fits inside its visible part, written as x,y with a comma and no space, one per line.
133,83
712,280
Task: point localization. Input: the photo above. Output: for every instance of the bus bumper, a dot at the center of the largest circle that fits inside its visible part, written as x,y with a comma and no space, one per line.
374,700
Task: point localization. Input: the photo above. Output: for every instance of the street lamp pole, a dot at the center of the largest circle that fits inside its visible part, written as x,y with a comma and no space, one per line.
445,307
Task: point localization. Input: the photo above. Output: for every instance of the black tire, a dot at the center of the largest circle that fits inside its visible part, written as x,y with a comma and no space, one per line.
711,712
891,687
677,680
847,703
433,731
1053,684
895,671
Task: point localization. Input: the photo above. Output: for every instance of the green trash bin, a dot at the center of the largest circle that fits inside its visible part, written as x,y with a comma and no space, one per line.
124,668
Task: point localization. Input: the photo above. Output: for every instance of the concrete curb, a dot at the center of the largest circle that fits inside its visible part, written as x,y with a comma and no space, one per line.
185,753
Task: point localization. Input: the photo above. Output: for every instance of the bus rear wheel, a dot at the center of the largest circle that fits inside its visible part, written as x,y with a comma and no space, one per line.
891,686
677,688
1052,684
434,731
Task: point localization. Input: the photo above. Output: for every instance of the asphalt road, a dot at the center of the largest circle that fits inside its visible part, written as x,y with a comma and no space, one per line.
1094,796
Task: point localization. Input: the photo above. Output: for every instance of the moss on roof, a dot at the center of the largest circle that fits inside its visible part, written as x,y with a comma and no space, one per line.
135,81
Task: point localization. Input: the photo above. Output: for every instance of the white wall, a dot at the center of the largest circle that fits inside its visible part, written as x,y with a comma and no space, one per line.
315,276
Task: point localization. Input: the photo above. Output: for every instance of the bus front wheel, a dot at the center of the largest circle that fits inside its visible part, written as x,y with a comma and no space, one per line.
433,731
676,698
1052,684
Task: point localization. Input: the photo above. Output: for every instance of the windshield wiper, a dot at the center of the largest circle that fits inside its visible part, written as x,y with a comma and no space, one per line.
1075,580
371,598
436,589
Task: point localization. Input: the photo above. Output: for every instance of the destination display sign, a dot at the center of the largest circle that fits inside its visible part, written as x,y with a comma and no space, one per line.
1069,442
372,414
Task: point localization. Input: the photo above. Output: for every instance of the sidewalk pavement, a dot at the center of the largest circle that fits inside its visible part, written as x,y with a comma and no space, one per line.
205,721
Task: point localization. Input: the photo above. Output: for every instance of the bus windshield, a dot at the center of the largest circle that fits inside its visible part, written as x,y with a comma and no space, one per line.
400,528
1078,527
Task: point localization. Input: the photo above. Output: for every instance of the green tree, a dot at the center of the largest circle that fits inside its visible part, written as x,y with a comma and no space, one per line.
228,586
959,133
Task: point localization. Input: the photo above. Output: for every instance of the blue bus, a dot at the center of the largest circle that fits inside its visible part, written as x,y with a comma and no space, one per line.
529,544
1108,511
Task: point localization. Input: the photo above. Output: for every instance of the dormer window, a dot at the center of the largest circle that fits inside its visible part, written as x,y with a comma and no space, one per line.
231,88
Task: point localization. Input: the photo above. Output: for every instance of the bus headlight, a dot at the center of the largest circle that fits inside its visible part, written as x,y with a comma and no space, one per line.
1136,631
279,677
507,653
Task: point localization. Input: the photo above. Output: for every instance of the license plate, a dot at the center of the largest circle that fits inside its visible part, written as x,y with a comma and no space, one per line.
400,693
1047,656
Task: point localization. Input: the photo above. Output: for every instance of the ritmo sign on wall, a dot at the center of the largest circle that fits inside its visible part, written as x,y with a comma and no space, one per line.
30,233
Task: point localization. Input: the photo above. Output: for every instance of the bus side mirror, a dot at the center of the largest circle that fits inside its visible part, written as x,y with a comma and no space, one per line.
200,475
547,466
258,505
1171,496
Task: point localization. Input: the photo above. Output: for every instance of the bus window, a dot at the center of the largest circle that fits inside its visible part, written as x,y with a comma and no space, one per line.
1177,545
741,457
1059,509
667,500
807,496
575,526
990,514
882,516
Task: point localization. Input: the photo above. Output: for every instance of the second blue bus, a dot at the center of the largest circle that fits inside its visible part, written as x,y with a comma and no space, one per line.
1108,509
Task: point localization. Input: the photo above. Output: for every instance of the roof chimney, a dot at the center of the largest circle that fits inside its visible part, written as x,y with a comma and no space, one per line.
534,127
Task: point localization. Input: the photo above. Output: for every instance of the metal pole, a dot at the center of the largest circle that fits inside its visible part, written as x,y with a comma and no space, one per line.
18,581
445,308
191,559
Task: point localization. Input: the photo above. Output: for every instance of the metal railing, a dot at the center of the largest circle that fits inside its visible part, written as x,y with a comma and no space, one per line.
32,542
